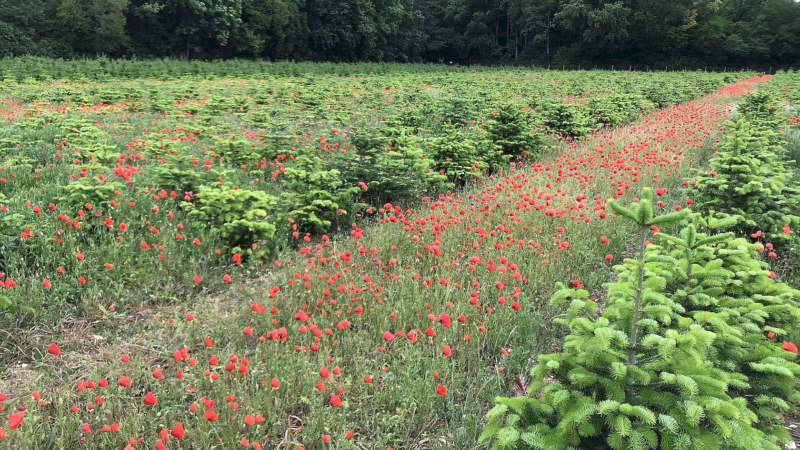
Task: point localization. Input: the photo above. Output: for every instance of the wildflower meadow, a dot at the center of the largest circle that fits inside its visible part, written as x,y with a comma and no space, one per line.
279,256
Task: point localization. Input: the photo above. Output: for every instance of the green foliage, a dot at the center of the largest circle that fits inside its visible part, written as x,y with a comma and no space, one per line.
95,26
566,118
457,111
313,196
461,155
509,129
677,356
718,274
240,217
392,168
762,108
748,179
177,171
77,194
616,108
568,33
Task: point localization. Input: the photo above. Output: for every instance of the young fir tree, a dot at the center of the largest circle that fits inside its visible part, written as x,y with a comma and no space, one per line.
762,108
748,179
313,196
391,167
634,375
508,128
571,119
724,286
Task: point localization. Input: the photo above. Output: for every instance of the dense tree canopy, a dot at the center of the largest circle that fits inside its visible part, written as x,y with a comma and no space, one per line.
713,33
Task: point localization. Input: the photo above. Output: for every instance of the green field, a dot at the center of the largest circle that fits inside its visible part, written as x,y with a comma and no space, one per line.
303,256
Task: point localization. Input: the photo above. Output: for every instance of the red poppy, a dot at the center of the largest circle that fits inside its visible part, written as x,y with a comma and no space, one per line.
15,419
150,399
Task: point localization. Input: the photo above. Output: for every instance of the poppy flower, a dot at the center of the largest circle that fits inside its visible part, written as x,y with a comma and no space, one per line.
790,347
210,416
53,349
336,401
150,399
15,419
441,390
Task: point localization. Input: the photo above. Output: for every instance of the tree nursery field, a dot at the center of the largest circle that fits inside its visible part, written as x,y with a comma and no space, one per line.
299,256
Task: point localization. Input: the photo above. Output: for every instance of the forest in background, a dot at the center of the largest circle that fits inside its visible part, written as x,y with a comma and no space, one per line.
563,33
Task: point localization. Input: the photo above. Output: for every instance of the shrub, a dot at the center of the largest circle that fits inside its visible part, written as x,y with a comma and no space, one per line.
77,194
643,371
763,108
392,167
568,118
748,179
314,196
457,111
509,129
239,217
720,274
460,156
177,171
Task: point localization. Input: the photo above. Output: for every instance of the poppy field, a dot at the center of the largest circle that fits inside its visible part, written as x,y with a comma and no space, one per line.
322,261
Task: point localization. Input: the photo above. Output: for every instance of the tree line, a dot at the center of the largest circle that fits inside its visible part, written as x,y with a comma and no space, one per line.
560,33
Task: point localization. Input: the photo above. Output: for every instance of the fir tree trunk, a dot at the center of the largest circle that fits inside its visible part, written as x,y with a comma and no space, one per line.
637,304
